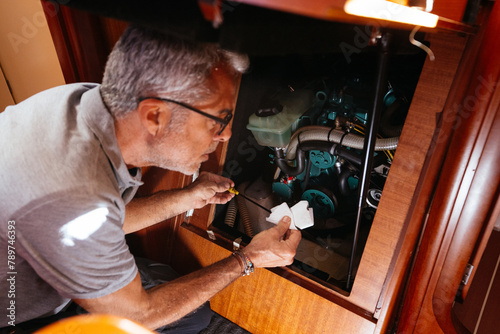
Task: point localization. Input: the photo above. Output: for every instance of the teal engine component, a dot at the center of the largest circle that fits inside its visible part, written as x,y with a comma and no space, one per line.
318,148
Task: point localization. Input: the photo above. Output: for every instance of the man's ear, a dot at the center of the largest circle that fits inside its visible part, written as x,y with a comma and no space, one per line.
154,115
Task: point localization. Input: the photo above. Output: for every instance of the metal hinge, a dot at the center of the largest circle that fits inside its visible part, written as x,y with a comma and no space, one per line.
467,273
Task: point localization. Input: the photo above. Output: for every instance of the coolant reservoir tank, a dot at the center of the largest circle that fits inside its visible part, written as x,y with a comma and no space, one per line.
276,130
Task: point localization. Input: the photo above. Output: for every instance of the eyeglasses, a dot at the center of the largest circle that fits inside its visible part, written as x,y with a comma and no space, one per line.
222,121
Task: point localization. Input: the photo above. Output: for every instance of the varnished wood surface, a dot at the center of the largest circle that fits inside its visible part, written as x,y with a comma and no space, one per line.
82,40
450,9
61,41
464,198
429,176
266,303
156,242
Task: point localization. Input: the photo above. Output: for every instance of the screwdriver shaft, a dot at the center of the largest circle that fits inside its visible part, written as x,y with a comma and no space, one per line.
237,193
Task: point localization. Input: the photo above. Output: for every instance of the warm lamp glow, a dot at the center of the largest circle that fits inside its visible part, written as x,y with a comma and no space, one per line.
390,11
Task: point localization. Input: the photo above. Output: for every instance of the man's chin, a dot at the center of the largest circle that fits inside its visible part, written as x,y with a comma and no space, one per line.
186,170
189,170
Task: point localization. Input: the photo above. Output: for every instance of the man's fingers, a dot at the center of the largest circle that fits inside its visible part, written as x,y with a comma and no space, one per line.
293,238
284,225
221,181
222,198
224,186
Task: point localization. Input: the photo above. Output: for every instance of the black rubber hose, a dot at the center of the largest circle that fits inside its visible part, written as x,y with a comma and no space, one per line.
344,176
350,155
285,167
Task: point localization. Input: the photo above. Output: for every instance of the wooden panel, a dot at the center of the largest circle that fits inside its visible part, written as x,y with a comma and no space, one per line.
78,38
482,303
266,303
82,40
156,242
464,198
490,322
61,41
428,177
112,29
477,195
451,9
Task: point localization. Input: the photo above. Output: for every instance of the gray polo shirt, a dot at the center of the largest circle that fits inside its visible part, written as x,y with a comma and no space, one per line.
63,190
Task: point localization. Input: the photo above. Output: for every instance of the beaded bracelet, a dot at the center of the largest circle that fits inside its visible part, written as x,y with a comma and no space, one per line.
245,263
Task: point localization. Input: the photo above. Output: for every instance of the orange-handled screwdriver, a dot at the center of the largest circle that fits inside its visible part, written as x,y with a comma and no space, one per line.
237,193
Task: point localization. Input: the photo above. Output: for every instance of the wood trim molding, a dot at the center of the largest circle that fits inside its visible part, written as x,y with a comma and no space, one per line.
393,290
463,199
479,188
61,40
79,41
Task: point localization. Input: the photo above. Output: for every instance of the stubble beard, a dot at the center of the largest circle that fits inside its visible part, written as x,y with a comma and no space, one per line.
170,152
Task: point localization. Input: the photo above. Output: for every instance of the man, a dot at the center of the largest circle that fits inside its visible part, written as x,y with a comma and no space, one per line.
71,159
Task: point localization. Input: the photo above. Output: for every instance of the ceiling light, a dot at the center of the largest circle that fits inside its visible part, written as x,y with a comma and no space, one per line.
390,11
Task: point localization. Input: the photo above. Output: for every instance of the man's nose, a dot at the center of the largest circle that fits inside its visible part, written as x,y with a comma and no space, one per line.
225,135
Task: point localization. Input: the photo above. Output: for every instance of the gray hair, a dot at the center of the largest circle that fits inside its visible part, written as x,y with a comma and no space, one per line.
145,62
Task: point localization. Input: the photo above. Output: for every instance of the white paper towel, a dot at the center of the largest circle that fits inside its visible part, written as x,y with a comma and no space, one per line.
301,215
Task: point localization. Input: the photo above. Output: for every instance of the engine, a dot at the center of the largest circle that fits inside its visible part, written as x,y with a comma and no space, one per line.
317,136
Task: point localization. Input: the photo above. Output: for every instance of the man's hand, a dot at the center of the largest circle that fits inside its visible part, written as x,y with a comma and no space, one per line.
209,188
274,247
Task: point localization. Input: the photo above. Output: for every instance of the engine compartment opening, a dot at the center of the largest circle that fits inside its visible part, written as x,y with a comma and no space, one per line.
298,134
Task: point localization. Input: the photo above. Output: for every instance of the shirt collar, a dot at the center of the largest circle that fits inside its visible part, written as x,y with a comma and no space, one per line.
101,122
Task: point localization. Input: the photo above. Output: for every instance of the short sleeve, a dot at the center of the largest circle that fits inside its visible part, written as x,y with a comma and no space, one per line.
76,244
